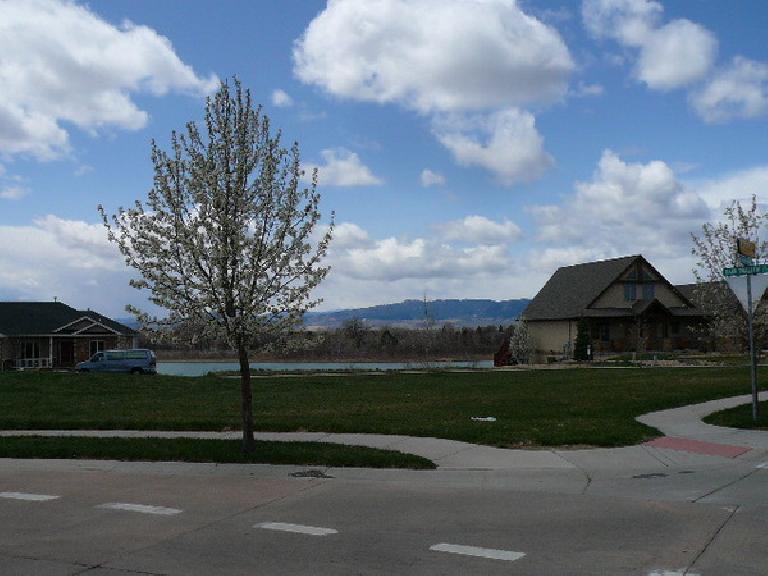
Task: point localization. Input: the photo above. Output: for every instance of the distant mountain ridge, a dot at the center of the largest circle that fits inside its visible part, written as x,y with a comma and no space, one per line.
128,321
411,313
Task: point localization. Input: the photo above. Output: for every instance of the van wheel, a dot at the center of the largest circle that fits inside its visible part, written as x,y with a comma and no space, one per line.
137,371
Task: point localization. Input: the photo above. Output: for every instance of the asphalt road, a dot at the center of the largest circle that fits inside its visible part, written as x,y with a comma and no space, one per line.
610,513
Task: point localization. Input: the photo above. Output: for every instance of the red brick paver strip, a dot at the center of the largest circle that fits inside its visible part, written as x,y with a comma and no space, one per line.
698,447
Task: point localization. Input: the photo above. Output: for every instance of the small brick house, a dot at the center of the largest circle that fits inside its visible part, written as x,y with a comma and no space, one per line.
627,304
54,335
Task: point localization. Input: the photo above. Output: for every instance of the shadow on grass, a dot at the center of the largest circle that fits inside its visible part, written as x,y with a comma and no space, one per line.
200,450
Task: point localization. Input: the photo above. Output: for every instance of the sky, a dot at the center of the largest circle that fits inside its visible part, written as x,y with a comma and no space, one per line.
467,147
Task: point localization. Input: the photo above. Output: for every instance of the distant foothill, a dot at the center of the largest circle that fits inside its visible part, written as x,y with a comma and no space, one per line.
417,313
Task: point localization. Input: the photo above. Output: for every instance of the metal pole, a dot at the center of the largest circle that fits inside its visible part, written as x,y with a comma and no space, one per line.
752,359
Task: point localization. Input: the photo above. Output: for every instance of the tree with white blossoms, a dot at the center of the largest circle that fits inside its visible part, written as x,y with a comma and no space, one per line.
715,249
227,239
521,343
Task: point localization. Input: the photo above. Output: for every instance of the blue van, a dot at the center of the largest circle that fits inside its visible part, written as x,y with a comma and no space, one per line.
137,361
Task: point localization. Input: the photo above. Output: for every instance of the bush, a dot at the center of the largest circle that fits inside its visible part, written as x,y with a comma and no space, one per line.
583,342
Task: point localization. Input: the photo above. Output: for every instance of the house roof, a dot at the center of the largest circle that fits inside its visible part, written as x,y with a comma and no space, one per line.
686,290
33,318
572,288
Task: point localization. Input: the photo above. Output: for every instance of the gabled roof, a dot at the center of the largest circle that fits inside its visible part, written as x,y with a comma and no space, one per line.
33,318
686,290
642,306
86,325
572,288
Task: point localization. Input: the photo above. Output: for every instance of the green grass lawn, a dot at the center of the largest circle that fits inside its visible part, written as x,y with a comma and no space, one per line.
194,450
536,408
740,417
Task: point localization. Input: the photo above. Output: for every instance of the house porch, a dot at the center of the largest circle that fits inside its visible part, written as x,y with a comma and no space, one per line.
55,351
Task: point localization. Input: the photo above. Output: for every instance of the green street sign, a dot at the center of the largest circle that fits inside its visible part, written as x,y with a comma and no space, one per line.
746,270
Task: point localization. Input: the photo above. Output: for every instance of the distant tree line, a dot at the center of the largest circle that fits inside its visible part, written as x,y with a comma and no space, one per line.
354,339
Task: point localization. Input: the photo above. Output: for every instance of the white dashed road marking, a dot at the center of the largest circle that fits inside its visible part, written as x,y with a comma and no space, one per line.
762,466
298,528
142,508
30,497
671,573
476,551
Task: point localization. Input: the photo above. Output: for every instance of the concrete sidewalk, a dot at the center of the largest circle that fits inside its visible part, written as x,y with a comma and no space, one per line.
682,422
447,454
686,422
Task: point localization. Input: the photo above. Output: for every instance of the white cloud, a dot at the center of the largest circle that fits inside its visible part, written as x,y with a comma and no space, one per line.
739,90
676,55
681,54
673,55
480,230
628,21
13,193
627,208
741,185
29,131
584,90
281,98
90,239
433,54
393,259
63,63
342,168
70,259
467,258
429,178
445,57
348,235
551,259
482,248
506,143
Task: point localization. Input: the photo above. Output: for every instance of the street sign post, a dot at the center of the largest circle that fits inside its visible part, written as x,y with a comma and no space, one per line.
752,357
746,250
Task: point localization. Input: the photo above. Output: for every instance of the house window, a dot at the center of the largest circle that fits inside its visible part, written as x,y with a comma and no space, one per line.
649,291
674,328
30,349
96,347
604,333
29,355
630,292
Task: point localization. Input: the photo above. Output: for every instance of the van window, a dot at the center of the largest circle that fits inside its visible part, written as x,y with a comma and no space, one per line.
135,355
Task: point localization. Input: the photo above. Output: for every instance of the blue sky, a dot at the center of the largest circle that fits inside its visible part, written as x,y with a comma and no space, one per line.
468,147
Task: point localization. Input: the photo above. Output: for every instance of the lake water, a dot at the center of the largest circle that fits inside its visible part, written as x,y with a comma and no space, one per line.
202,368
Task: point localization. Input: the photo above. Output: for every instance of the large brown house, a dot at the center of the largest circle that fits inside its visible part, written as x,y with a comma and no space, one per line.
627,304
54,335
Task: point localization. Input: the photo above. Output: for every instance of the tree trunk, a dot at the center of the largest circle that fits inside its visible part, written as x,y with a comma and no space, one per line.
246,394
